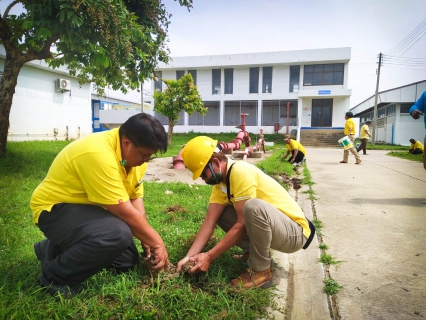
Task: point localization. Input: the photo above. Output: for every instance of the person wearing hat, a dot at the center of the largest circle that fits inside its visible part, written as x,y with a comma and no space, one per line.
365,135
296,149
254,210
350,131
90,205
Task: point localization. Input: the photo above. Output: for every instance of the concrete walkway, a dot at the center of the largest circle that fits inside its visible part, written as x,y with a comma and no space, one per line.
374,217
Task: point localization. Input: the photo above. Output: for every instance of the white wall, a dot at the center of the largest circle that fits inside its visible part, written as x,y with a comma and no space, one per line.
37,107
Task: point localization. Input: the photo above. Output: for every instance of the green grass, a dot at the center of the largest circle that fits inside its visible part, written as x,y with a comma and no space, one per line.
383,146
331,287
133,295
327,259
406,155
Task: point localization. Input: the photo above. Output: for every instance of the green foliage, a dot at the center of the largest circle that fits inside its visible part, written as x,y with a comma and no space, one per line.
327,259
323,246
331,287
133,295
180,95
115,42
318,226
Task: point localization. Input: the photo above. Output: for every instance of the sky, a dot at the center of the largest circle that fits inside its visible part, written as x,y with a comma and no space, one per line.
396,28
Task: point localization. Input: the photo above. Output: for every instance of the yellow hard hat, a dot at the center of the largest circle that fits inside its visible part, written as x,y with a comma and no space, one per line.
197,153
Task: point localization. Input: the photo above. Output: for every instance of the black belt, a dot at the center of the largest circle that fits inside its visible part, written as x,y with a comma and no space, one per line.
312,227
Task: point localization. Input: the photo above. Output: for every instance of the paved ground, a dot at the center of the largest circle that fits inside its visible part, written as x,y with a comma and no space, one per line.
374,217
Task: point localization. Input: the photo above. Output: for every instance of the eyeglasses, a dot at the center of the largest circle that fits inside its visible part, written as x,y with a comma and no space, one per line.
203,174
145,158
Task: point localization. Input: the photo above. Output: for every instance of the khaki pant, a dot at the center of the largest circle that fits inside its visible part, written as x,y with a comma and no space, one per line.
267,228
352,150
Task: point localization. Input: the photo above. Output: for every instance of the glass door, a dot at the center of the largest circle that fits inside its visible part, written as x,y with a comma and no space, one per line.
322,110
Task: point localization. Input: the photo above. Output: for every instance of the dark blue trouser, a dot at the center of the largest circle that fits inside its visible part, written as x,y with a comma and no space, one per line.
83,240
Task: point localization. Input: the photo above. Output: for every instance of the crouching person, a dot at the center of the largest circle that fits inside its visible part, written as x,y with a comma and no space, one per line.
254,210
89,206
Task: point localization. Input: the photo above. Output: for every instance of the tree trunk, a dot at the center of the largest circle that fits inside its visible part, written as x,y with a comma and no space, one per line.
170,132
7,90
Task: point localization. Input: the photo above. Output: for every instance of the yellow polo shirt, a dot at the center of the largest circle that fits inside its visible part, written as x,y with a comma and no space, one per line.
417,145
349,124
248,182
364,130
294,144
88,171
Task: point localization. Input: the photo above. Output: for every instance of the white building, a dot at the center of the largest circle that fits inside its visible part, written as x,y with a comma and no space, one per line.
49,104
260,85
394,123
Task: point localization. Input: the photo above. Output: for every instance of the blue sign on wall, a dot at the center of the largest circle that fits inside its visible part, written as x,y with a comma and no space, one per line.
324,91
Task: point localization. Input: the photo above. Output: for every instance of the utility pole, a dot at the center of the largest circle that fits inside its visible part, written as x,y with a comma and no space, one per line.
373,140
141,96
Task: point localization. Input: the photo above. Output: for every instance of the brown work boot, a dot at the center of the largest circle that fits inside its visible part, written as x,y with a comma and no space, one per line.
253,279
358,162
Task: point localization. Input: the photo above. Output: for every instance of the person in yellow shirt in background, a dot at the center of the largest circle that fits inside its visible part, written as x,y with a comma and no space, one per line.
254,210
416,147
298,152
365,135
350,132
90,205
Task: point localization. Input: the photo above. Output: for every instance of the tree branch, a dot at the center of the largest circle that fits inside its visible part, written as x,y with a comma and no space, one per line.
10,6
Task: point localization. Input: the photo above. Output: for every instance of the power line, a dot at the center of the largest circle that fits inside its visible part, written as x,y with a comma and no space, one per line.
407,41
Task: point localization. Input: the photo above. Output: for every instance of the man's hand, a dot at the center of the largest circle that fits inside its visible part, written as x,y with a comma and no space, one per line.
181,263
160,257
416,114
146,250
202,262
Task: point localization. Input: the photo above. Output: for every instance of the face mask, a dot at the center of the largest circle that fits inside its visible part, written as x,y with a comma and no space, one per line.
216,177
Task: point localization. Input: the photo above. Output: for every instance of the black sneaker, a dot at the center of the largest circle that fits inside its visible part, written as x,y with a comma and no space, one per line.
65,291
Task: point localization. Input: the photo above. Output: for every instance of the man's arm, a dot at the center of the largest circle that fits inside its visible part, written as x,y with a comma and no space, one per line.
295,152
419,107
135,217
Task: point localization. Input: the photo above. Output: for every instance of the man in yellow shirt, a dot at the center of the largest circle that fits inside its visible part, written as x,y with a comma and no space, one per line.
254,210
298,152
416,147
90,205
365,135
350,132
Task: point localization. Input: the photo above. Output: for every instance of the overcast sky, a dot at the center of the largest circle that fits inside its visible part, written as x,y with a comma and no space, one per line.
367,26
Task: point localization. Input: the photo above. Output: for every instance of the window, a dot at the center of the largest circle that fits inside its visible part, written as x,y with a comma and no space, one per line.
234,109
193,73
211,118
216,81
275,111
179,74
323,74
254,80
229,81
158,84
267,80
405,107
294,78
381,113
390,110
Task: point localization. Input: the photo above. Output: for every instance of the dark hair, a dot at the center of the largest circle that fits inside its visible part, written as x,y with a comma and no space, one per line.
349,114
369,122
146,131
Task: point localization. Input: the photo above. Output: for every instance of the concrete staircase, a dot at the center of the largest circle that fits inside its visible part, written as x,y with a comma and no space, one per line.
321,137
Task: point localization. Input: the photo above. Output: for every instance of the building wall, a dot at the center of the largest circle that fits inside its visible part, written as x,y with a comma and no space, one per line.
38,109
280,62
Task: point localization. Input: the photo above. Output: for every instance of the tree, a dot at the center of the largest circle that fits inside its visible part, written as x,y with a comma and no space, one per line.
108,42
180,95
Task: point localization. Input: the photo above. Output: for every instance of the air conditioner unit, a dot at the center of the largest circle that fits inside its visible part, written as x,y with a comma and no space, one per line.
63,85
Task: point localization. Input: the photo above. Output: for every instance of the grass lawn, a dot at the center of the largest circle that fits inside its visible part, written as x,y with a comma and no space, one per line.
395,150
133,295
